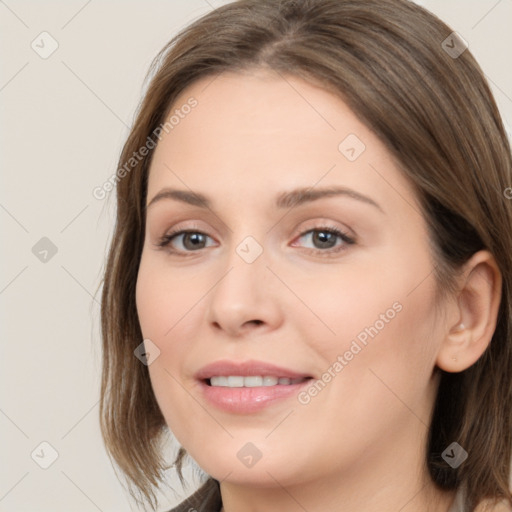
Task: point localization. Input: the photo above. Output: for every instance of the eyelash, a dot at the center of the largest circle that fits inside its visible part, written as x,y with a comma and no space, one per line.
165,241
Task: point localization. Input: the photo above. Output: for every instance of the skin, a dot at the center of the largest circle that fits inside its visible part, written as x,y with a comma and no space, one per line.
358,445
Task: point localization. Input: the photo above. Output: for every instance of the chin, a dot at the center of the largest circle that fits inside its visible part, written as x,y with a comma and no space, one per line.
234,465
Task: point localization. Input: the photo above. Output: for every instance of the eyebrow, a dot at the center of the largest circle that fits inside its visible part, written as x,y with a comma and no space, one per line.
288,199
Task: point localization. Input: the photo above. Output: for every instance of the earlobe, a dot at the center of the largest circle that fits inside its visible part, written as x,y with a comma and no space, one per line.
478,304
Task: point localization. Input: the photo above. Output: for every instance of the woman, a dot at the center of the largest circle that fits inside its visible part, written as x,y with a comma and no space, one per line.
310,280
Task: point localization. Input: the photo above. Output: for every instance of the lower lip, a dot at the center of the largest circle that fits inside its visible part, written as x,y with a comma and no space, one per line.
247,400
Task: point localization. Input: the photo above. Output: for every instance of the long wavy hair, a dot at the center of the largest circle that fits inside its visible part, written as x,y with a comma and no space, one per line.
436,115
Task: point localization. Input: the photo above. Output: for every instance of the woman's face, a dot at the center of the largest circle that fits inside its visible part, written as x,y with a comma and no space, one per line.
264,284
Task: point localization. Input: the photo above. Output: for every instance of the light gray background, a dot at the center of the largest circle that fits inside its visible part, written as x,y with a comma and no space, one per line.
63,122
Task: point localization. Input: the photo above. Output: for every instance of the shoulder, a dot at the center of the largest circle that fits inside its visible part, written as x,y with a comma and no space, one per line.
206,499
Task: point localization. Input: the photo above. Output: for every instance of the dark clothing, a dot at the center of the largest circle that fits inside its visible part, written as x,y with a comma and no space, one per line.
206,499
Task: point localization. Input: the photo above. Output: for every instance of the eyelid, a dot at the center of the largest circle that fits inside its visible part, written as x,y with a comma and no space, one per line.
323,223
183,226
180,229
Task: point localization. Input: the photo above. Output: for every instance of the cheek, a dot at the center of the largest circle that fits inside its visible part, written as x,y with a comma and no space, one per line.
169,309
164,299
382,317
375,374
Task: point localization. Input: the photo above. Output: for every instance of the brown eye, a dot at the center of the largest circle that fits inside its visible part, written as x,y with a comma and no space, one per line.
184,241
325,239
192,241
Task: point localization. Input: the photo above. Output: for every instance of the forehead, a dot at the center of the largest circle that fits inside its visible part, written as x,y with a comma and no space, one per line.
264,104
261,131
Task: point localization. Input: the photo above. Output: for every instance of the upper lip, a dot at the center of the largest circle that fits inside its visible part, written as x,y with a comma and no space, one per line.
245,368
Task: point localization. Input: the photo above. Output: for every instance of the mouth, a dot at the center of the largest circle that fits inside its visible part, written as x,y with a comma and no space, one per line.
252,381
250,386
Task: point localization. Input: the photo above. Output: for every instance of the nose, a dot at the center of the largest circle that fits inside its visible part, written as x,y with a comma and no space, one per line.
245,298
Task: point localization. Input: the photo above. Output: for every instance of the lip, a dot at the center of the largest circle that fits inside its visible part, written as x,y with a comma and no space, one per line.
246,369
251,399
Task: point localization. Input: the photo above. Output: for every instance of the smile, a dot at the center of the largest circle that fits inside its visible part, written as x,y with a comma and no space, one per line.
253,381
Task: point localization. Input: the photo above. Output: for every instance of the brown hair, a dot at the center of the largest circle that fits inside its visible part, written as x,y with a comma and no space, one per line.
436,115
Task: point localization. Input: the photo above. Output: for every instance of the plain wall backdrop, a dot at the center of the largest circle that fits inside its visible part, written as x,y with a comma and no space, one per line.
64,118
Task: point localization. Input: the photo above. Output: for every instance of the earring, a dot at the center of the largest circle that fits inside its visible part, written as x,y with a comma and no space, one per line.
454,359
461,327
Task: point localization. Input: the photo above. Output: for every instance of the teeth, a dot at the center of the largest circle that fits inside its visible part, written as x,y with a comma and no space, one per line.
238,381
270,381
235,382
252,381
219,381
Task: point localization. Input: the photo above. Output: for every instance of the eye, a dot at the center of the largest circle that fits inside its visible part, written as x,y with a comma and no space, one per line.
325,239
189,240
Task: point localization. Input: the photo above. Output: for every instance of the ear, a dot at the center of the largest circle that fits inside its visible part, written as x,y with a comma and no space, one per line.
474,323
